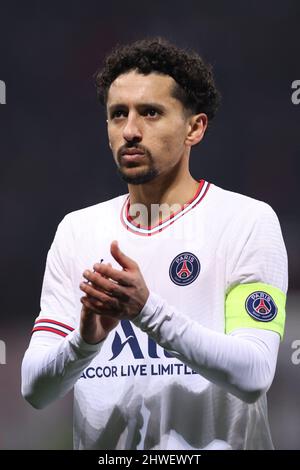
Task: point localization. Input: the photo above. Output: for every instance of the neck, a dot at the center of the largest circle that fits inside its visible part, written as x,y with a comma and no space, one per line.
157,200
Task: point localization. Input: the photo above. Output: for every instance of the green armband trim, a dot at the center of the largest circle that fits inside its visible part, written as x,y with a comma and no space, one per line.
255,305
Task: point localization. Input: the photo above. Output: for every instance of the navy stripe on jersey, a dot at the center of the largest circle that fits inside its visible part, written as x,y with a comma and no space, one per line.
54,326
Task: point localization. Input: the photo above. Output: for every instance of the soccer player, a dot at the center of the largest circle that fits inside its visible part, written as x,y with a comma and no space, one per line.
164,307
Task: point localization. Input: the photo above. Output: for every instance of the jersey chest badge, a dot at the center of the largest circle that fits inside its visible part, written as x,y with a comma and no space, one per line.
184,269
261,306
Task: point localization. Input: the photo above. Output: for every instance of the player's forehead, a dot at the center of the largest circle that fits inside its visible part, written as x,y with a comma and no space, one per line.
134,87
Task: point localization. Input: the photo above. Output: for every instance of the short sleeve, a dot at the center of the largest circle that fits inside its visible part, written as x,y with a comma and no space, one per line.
58,309
257,278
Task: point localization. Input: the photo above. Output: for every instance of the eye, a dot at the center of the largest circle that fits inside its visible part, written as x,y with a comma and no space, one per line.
118,113
151,112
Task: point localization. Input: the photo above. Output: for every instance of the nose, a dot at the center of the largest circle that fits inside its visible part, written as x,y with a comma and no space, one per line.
132,130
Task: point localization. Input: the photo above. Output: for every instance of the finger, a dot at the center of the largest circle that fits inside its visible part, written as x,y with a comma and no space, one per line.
100,281
104,296
108,272
89,305
121,258
99,307
104,275
95,305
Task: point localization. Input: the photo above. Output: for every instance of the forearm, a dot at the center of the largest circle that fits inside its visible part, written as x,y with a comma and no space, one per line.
52,365
243,363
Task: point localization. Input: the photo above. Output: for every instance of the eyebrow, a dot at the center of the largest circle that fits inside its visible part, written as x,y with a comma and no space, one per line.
159,106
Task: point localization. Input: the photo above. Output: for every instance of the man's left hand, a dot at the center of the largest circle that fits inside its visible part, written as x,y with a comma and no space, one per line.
121,294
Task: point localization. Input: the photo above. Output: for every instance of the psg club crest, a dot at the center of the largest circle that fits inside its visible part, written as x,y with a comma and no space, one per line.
184,269
261,306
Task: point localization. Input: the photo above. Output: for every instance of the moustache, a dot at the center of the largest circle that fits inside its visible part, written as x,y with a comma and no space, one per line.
138,148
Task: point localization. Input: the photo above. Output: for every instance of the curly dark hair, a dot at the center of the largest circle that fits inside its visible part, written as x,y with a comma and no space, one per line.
195,84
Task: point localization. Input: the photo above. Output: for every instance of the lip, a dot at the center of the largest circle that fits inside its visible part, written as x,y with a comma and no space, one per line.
132,151
132,157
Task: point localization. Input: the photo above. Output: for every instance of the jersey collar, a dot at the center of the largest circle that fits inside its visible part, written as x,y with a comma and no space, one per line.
129,223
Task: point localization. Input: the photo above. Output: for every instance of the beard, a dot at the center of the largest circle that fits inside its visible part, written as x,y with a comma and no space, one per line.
141,177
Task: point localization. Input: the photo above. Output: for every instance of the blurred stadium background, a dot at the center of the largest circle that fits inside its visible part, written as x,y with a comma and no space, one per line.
54,156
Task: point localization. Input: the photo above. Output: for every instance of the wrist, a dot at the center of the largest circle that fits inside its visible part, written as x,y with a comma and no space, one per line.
92,340
90,328
78,342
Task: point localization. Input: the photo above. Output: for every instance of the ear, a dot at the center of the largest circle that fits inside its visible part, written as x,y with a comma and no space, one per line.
196,129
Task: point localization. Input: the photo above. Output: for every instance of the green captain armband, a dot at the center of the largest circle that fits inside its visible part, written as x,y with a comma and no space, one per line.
255,305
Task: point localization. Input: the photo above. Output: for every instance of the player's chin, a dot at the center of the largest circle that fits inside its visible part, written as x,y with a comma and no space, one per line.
137,175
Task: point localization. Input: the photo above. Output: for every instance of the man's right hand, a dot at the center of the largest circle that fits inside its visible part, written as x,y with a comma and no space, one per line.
95,328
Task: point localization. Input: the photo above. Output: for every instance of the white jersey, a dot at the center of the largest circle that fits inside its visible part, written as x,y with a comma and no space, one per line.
135,394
